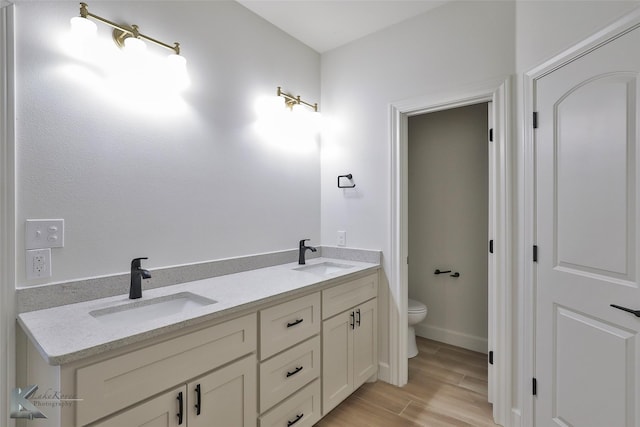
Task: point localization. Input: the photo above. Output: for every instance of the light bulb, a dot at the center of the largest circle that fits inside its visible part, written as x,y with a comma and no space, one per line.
134,45
270,106
82,27
177,70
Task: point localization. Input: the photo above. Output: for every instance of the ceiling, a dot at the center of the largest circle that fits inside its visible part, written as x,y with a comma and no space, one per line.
326,24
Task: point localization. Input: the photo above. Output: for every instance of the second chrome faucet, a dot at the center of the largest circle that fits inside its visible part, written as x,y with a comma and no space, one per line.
303,249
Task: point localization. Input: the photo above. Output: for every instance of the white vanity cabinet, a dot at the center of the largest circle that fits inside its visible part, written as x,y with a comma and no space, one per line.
349,339
134,387
222,398
281,363
289,392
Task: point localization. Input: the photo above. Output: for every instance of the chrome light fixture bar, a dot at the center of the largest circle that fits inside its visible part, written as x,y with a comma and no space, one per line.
123,32
291,100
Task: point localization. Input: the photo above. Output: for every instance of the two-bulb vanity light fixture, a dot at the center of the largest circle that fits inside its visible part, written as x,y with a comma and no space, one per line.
129,38
292,102
305,116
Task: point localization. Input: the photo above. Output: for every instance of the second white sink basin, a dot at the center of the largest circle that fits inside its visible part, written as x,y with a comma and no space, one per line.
155,308
324,268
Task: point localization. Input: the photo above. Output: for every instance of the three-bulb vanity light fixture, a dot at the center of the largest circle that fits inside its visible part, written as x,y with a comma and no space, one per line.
127,37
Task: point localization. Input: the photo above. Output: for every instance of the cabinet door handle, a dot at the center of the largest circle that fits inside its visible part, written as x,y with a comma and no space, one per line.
290,324
358,319
628,310
295,420
180,404
295,371
198,400
352,323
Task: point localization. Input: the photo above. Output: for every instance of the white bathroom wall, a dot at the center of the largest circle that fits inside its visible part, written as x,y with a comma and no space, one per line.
455,45
448,223
546,28
179,181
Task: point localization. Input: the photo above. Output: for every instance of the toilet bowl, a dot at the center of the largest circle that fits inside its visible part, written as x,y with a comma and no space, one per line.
416,313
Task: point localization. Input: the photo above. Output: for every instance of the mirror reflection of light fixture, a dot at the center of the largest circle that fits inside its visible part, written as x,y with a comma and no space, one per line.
131,40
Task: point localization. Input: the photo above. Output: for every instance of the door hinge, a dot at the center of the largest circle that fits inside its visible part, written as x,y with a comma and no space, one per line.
535,120
534,387
491,246
491,135
407,260
491,358
535,253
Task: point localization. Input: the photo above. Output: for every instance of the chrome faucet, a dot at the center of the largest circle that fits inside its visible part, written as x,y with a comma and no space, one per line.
303,250
137,274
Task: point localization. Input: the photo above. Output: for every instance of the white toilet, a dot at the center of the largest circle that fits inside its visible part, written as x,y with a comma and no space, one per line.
417,311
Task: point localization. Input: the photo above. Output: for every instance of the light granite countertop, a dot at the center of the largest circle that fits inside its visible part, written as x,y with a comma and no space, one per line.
69,333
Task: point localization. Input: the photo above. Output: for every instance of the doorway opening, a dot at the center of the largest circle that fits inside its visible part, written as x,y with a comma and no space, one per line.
448,214
496,92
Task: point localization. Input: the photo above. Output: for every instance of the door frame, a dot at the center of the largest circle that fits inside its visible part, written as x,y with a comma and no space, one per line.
7,211
499,93
526,165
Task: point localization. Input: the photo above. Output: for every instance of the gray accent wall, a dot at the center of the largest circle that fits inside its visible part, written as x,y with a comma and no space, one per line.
448,223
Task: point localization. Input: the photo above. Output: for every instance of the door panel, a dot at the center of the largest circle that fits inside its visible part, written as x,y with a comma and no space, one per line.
227,396
594,178
365,343
587,362
161,411
337,360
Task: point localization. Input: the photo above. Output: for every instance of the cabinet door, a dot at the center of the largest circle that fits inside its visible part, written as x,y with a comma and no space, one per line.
226,397
337,360
161,411
365,342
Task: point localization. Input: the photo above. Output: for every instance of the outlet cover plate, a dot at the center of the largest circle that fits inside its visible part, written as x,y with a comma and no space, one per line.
44,233
38,263
342,238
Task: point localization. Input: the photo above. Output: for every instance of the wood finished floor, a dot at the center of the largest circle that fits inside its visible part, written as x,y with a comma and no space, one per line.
447,387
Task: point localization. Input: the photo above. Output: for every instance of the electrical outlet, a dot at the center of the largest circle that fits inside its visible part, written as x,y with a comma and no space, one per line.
342,238
44,233
38,263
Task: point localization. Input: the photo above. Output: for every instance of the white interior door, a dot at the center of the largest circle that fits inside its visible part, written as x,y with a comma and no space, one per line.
587,356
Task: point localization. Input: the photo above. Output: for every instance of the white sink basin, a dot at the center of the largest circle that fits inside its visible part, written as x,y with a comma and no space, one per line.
155,308
324,268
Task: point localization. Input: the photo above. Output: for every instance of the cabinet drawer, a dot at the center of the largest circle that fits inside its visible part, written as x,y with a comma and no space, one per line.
285,373
288,324
343,297
300,410
117,383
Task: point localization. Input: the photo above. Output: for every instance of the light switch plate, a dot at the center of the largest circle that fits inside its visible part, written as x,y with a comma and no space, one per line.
44,233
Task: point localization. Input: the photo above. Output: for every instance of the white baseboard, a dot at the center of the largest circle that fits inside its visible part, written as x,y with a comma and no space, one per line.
384,373
447,336
516,418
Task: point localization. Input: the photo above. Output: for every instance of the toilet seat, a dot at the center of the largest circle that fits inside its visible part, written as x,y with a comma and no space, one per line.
415,307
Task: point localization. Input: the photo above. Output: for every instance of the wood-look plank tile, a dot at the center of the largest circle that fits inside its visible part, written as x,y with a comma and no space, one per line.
385,396
356,412
425,416
475,384
447,387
